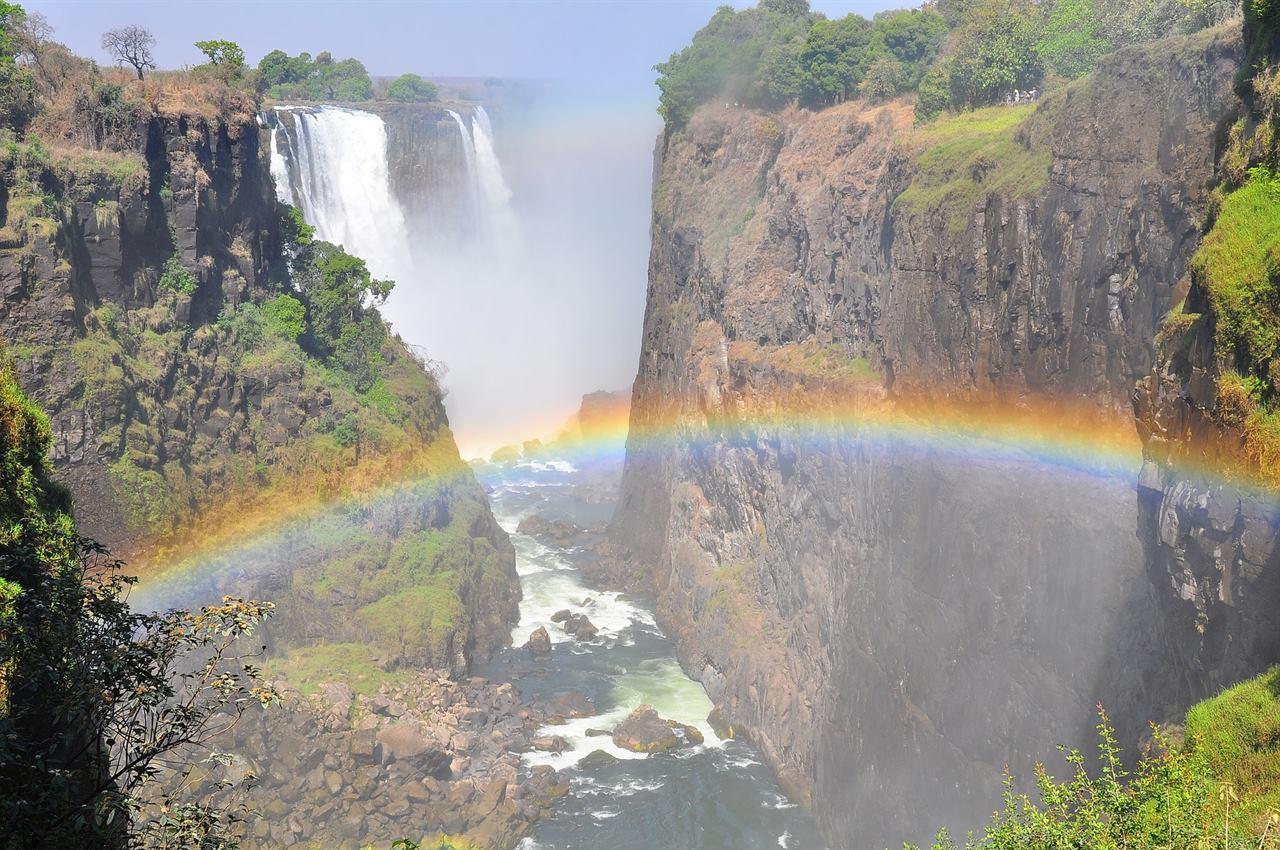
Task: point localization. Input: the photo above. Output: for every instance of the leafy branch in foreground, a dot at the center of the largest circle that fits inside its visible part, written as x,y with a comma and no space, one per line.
109,701
99,702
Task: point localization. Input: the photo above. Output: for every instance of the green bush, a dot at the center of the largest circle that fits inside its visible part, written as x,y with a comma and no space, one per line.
1219,788
1238,263
285,316
176,278
410,88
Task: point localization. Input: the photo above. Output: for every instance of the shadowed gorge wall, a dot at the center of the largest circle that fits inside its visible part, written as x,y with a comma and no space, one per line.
893,625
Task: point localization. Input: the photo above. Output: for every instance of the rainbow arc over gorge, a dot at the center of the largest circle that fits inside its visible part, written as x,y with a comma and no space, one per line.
1053,436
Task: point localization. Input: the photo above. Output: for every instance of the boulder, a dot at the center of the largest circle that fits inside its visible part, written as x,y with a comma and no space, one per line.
549,744
561,616
339,696
720,724
539,643
597,759
692,735
643,731
570,704
580,627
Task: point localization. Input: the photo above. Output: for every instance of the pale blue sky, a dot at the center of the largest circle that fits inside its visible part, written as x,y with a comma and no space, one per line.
609,43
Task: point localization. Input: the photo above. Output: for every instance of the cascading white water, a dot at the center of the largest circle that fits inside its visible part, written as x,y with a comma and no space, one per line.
469,155
494,193
344,187
461,284
280,171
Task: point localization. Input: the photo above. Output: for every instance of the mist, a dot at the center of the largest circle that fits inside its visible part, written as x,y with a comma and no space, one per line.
543,308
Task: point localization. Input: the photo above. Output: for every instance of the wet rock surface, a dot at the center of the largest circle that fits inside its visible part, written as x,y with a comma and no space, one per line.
539,643
892,625
643,731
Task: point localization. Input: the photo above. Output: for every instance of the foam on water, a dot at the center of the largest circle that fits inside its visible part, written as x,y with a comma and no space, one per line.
715,796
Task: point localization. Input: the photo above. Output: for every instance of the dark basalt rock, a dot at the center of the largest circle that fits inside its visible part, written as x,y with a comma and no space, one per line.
597,759
580,627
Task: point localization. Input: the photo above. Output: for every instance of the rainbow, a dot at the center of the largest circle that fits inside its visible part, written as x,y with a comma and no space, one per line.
1055,436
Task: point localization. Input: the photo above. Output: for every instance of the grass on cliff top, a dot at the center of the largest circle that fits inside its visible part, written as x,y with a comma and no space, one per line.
966,157
1238,735
1239,264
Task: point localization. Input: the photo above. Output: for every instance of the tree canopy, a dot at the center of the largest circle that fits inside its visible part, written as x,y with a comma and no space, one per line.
955,54
410,88
222,52
303,77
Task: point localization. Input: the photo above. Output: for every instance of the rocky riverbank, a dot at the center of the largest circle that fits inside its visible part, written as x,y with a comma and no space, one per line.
428,755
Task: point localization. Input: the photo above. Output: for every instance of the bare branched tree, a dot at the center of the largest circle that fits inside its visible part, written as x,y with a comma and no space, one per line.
130,45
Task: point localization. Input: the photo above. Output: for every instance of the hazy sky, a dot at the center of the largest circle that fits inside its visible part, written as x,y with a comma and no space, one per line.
612,43
524,346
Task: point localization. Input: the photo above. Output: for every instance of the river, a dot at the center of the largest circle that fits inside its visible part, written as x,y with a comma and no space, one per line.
717,796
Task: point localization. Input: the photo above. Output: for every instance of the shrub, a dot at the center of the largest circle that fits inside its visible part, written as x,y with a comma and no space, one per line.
176,278
285,316
410,88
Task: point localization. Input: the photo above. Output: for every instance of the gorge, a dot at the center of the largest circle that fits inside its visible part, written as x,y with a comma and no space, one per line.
953,425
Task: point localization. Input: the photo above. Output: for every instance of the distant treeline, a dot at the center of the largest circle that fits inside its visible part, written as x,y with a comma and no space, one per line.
303,77
955,54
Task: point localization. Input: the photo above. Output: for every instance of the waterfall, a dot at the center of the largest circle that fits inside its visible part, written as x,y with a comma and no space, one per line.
343,185
280,171
494,193
469,154
439,221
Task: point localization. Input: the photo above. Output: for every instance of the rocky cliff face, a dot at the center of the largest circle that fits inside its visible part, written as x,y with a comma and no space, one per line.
183,423
1213,548
891,622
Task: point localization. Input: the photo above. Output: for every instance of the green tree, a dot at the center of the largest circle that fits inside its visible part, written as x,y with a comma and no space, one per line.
911,36
995,52
882,79
934,93
222,52
410,88
276,68
340,295
17,84
834,59
733,58
1073,39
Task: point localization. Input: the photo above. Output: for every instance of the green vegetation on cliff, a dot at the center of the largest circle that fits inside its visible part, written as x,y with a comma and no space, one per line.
1236,270
94,697
969,156
1214,785
955,54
